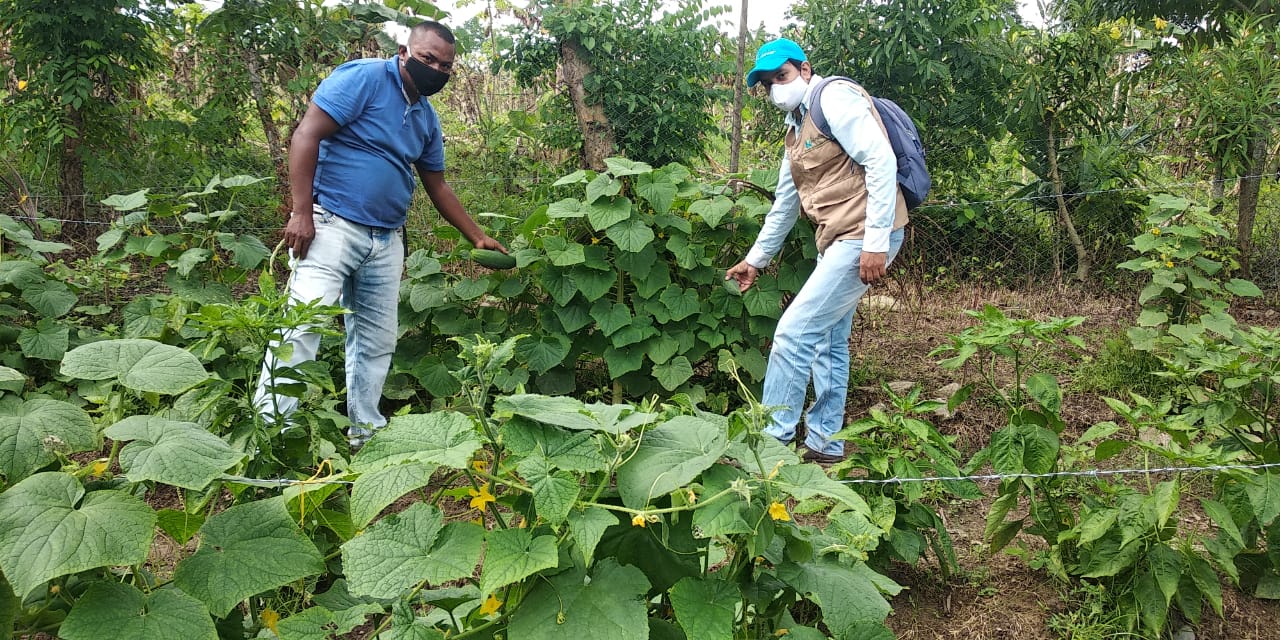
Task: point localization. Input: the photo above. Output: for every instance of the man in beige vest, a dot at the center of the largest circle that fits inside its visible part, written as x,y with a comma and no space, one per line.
846,185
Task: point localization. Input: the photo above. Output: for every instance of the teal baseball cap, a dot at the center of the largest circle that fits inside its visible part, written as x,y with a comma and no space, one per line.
772,55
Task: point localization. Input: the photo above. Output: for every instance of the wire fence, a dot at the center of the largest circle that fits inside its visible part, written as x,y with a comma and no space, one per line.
988,477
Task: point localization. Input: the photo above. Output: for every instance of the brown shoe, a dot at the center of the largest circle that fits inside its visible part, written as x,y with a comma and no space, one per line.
809,455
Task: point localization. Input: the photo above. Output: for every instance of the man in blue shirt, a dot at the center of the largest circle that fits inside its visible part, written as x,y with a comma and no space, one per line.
352,161
846,184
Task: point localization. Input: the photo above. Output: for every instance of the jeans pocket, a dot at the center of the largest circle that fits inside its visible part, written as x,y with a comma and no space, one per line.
325,216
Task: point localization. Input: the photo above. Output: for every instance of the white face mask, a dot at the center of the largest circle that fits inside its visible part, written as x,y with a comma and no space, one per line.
788,96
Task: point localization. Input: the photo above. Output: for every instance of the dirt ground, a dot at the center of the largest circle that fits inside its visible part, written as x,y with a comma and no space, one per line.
1000,597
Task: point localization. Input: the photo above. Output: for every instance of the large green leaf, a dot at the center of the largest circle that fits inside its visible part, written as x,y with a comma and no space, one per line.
554,492
1044,388
657,190
620,167
607,604
513,555
705,607
602,186
320,623
673,373
711,211
404,549
47,340
804,481
50,527
245,550
563,411
129,614
603,214
1264,494
181,454
848,595
542,353
610,316
587,526
247,251
446,438
630,235
50,298
374,490
32,431
729,515
669,456
138,364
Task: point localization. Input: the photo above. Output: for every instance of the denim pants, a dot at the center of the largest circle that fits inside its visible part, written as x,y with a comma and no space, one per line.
812,342
358,267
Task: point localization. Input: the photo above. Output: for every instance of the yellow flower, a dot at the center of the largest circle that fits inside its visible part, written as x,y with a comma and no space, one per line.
637,520
490,606
480,465
778,511
270,619
595,240
781,632
693,497
481,498
1155,231
1115,33
22,85
1169,264
98,468
1161,24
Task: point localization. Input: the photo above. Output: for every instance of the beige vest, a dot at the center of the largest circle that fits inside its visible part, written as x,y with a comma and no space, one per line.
832,187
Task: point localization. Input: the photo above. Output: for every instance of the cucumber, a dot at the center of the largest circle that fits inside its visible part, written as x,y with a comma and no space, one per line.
493,259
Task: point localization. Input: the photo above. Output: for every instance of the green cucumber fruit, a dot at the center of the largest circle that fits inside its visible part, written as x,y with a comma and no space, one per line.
493,259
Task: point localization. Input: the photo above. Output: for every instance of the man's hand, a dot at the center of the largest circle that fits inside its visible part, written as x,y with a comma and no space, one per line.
485,242
872,267
299,233
744,274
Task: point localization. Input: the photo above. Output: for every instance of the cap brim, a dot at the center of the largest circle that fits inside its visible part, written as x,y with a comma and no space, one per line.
765,66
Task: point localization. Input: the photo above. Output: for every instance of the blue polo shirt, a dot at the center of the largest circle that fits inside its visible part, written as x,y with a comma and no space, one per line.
366,171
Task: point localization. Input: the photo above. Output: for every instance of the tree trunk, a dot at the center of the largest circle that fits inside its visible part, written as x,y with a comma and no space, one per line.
739,88
1082,255
1250,185
597,132
73,192
272,132
1217,187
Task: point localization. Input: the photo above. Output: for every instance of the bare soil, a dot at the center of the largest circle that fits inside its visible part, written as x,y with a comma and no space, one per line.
999,596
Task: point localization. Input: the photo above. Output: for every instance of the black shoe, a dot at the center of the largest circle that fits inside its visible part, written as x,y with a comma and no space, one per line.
809,455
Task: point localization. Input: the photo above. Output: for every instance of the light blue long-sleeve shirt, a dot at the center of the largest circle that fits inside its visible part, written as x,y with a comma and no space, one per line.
854,126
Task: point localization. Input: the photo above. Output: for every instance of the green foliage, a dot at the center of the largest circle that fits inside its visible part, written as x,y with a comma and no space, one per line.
634,48
627,276
949,64
900,443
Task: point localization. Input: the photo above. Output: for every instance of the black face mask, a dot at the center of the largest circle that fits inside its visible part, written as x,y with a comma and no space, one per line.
427,80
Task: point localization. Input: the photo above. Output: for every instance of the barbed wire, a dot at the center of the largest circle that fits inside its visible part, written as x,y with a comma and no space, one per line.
990,477
939,205
1089,473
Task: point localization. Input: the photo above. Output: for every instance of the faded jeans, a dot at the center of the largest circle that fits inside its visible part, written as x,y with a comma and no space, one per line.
358,267
812,342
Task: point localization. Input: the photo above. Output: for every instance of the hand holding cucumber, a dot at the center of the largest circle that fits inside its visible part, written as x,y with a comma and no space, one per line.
490,253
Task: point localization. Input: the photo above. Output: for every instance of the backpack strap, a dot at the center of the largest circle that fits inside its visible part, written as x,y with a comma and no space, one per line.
815,104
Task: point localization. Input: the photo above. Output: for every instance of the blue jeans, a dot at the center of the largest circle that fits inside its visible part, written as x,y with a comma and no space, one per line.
812,342
358,267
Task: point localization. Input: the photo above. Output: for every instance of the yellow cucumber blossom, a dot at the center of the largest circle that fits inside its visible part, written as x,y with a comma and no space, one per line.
270,619
481,498
22,85
490,606
778,511
1169,264
638,520
1155,231
1161,24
